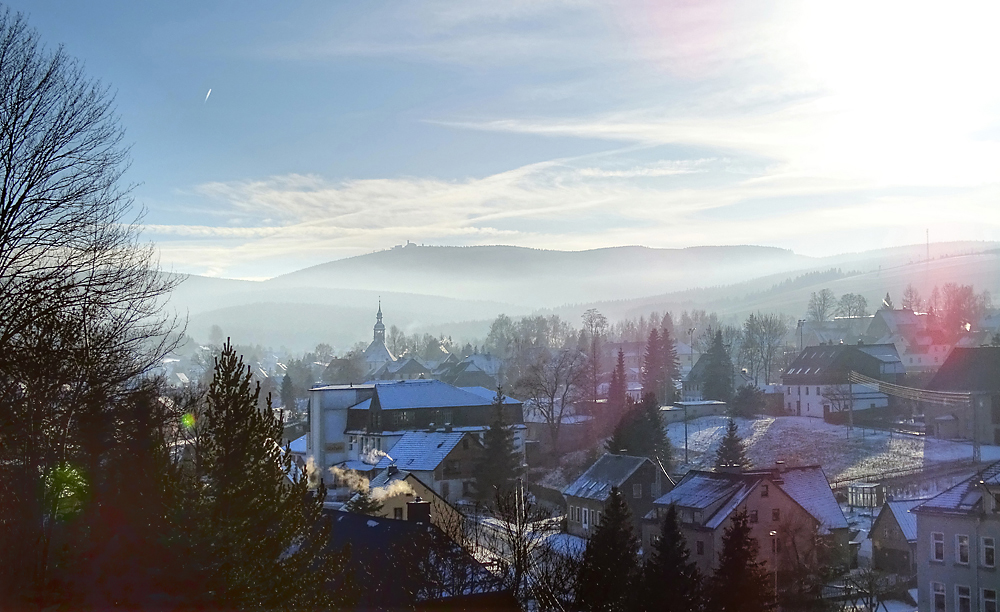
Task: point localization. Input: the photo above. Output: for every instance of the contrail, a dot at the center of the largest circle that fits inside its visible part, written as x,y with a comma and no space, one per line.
208,94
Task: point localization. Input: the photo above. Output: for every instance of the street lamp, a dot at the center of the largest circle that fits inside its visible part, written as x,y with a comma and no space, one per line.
691,347
774,563
802,323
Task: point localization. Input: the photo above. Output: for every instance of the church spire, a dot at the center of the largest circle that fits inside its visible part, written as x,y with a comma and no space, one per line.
379,329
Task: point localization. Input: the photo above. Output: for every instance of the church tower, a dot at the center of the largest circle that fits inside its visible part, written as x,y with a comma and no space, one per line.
379,329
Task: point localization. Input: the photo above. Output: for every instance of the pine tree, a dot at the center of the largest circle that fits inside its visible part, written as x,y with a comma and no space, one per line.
498,469
671,365
287,393
740,583
610,569
640,433
652,364
257,536
732,452
718,372
618,389
364,503
621,437
671,581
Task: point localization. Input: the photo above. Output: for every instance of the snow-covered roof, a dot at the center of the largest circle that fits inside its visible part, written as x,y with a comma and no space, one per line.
377,352
809,487
699,490
298,445
404,394
963,497
907,521
384,478
481,392
608,471
421,450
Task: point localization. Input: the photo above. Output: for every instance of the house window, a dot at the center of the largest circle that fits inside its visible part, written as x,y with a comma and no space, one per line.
637,491
776,545
465,444
989,547
817,390
599,513
753,516
961,548
807,390
586,515
989,600
775,514
763,490
963,595
937,546
937,597
397,513
352,442
699,547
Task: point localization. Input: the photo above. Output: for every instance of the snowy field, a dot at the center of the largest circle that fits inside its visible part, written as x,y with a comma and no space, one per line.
811,441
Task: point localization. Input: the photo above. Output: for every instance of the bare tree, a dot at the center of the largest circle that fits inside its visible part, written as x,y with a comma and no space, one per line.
80,295
595,326
764,335
912,299
852,305
551,384
821,305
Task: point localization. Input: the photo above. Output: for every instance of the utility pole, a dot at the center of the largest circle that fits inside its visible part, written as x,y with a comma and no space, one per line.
685,433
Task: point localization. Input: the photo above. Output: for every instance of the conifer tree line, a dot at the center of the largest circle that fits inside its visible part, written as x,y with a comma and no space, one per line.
611,576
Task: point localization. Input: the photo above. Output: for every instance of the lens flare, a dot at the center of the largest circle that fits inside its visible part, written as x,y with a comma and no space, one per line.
187,420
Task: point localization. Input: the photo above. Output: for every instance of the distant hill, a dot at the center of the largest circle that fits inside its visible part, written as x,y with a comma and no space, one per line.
459,291
537,278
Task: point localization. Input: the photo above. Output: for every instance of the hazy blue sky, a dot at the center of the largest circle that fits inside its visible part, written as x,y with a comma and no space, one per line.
335,129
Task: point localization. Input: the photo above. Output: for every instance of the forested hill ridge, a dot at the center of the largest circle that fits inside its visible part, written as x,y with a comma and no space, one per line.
539,278
300,309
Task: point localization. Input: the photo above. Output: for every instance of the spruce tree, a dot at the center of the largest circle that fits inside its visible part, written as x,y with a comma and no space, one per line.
671,365
609,572
732,452
618,389
364,503
740,582
498,469
671,581
257,536
652,364
640,433
718,383
287,393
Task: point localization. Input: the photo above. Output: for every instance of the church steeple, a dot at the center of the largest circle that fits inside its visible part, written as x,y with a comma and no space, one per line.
379,329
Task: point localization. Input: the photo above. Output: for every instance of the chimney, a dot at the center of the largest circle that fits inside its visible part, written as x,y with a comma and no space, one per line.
779,470
447,427
418,511
392,470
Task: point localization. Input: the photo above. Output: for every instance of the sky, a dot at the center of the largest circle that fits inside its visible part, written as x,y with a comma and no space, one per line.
335,129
